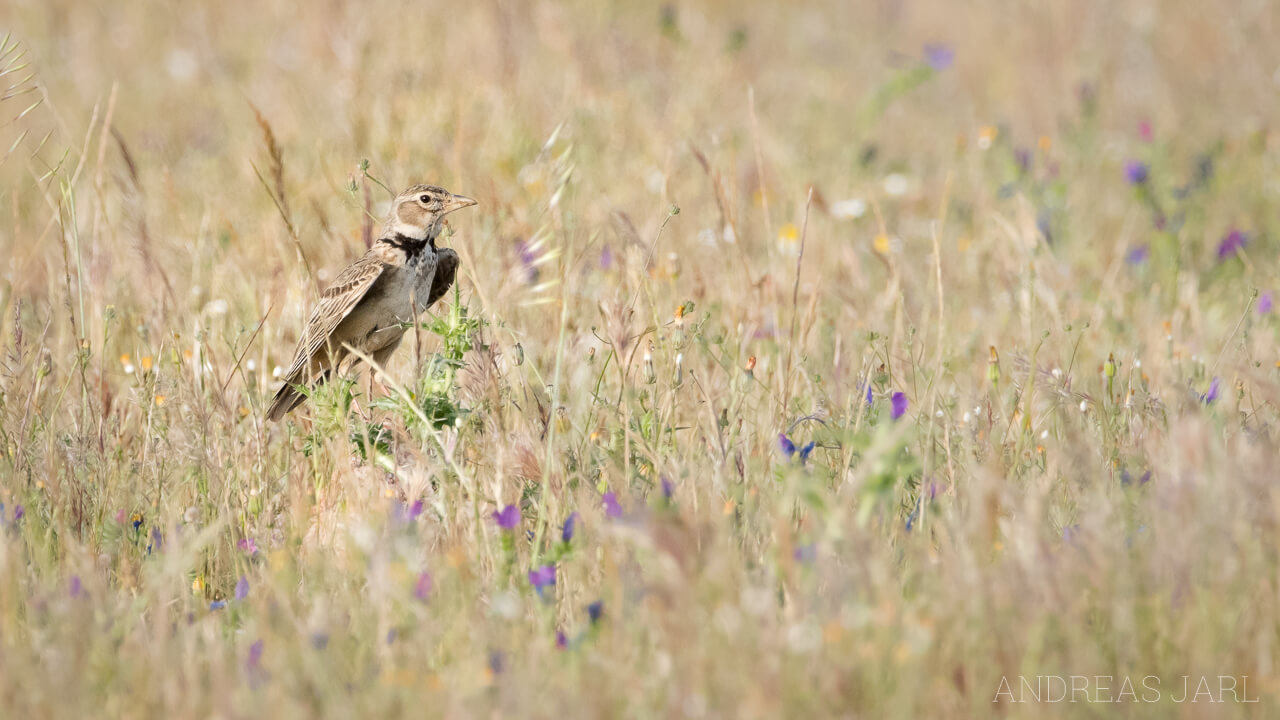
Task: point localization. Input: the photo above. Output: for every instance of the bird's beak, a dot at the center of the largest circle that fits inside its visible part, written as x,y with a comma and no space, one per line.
457,202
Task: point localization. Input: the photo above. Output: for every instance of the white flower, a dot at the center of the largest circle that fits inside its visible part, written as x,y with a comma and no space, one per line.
1084,406
852,208
216,307
251,365
1057,373
277,371
128,368
968,416
896,184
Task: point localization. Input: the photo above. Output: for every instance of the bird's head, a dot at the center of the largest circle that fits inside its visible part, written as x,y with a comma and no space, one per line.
419,211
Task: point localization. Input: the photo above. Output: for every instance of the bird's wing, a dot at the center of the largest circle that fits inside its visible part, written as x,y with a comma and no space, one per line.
446,270
336,303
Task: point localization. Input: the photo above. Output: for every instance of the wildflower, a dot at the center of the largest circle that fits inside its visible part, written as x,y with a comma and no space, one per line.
667,488
606,258
805,554
528,259
497,661
157,540
1136,172
76,589
1070,533
852,208
1144,131
242,588
1127,479
939,56
896,184
217,605
423,587
900,403
255,656
248,546
18,512
1212,395
136,519
788,447
1264,303
869,394
595,611
611,507
1137,255
566,532
1022,157
415,509
1233,243
542,577
508,518
986,136
562,642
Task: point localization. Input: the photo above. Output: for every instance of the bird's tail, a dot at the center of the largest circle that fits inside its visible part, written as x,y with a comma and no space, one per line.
289,396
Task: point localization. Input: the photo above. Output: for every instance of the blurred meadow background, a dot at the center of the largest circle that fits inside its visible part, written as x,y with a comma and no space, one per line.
806,359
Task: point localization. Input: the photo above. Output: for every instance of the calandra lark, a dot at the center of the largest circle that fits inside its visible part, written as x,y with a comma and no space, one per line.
368,306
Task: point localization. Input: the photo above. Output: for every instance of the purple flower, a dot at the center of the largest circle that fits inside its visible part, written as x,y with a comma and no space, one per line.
1127,479
217,605
248,546
562,642
528,259
606,258
1233,243
566,532
1022,157
900,404
939,56
242,588
18,512
76,589
611,507
806,554
1136,172
423,587
1212,395
415,509
157,540
1137,255
868,394
804,451
788,447
507,518
1070,533
255,656
1264,303
542,577
595,611
667,488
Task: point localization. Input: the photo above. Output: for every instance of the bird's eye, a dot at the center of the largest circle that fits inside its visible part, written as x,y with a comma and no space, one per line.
424,198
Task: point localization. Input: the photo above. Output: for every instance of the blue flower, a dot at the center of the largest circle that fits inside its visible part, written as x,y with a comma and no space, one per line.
938,56
868,394
595,611
1136,172
1212,395
1233,243
543,577
611,507
1137,255
566,532
242,588
508,517
667,488
900,404
788,447
217,605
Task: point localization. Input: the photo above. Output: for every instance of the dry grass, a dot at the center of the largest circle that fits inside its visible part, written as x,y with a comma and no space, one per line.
193,174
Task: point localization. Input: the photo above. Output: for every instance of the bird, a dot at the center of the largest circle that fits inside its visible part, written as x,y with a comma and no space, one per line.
370,303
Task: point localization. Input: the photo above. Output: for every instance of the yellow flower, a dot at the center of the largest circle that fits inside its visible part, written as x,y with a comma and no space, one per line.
789,233
882,244
125,359
159,401
986,136
1045,142
146,362
197,585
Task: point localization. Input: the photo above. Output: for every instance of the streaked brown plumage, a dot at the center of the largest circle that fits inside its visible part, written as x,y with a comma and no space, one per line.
367,306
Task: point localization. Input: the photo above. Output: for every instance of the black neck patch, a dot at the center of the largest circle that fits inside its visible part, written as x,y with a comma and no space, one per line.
411,246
